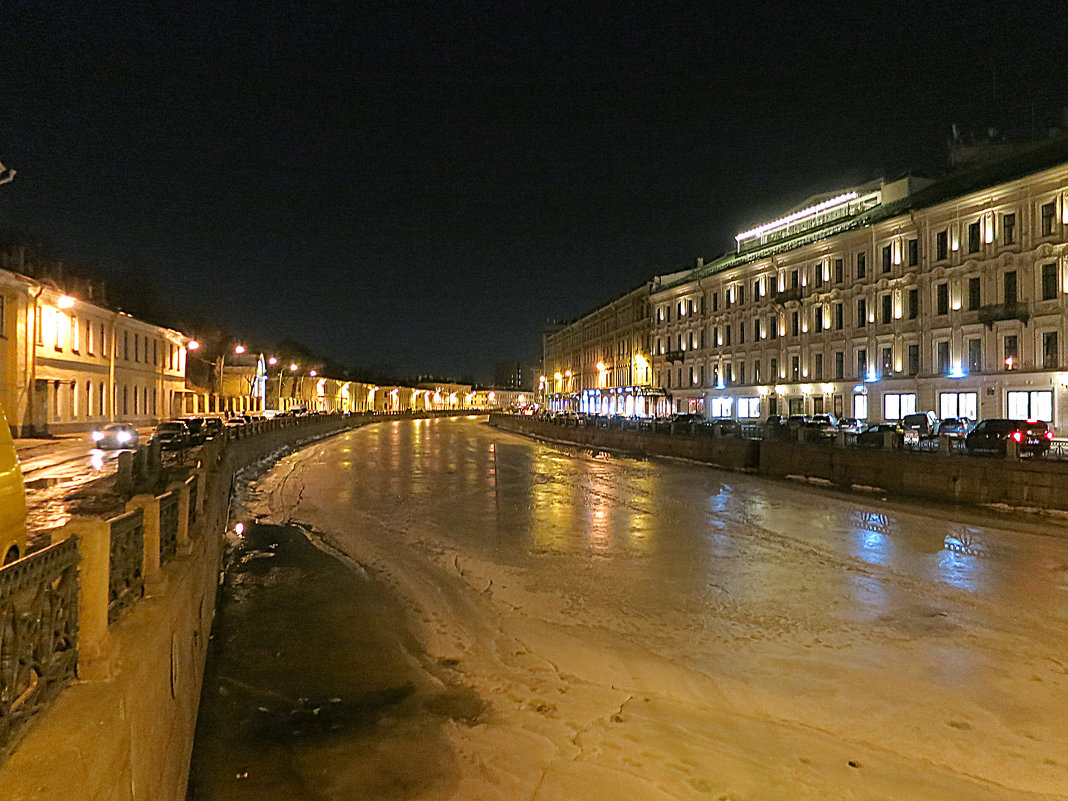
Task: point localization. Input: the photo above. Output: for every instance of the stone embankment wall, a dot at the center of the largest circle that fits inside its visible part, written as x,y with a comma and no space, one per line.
933,476
124,730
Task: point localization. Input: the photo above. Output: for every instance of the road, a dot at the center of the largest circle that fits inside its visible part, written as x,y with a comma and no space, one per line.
53,469
601,627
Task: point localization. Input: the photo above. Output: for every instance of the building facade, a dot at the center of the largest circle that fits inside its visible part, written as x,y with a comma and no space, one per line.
67,365
600,362
881,300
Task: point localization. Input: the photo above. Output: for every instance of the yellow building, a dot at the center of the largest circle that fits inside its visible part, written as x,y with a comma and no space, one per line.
68,365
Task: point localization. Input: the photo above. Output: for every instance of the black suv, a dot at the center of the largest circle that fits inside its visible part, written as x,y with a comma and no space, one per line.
1032,437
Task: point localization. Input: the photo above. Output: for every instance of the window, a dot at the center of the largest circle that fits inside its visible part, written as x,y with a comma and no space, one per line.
741,293
862,268
773,327
727,331
942,357
914,252
795,328
914,359
1049,211
887,260
1050,359
974,293
741,372
860,406
721,407
942,298
914,304
748,408
1010,286
818,270
794,279
973,237
756,370
774,369
839,316
1008,229
715,301
1011,352
897,405
75,335
1049,281
756,289
756,330
89,342
975,355
888,362
716,341
942,245
125,352
862,363
817,319
795,368
888,309
817,367
103,342
839,268
741,333
958,404
862,313
1031,405
839,364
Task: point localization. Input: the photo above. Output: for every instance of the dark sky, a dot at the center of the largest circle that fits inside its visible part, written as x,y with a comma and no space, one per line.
423,185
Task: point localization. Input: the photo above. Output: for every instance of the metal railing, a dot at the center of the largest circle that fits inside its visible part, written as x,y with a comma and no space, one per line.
38,634
126,579
168,526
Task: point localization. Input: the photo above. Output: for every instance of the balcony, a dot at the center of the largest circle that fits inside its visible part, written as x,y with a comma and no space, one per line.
673,356
995,312
787,295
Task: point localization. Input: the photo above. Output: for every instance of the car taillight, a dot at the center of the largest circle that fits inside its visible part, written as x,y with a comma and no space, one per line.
1017,436
1049,435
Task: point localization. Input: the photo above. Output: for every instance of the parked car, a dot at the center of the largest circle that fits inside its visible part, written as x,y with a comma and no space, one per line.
919,425
197,432
213,426
826,425
958,427
173,435
115,436
852,425
873,435
13,491
686,418
1032,437
724,427
795,421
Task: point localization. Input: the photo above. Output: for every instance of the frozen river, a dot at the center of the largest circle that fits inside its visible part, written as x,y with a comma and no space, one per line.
514,620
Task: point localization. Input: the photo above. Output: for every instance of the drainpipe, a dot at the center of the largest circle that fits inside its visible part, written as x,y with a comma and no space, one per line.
31,357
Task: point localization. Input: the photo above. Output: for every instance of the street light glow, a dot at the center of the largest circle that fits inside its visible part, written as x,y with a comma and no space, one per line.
272,361
65,302
294,367
192,344
239,349
312,373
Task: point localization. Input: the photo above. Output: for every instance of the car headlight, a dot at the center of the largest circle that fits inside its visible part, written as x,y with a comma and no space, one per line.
123,436
97,436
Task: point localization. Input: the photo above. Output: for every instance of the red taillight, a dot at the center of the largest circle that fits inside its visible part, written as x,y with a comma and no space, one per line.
1017,436
1049,435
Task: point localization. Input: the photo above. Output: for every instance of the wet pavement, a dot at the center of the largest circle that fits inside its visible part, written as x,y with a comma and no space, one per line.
629,629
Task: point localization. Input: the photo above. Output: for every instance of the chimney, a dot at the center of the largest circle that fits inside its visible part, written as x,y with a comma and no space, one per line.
699,261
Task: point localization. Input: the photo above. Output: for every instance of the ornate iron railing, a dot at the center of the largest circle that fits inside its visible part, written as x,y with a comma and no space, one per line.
168,526
127,581
38,634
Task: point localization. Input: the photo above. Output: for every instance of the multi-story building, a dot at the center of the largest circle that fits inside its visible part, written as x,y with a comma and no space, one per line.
600,362
68,364
883,299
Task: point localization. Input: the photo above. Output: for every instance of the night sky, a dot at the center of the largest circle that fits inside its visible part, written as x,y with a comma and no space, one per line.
421,186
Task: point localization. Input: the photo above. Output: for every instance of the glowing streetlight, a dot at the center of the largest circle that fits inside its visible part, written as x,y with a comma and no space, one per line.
239,349
272,361
294,367
312,373
65,302
192,345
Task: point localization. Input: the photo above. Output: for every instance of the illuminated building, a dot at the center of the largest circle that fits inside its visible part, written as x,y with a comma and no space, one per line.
883,299
599,363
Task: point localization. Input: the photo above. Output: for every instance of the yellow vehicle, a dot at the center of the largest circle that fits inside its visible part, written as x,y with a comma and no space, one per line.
12,499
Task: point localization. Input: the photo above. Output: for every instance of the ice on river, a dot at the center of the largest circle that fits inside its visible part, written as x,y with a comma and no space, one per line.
658,630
